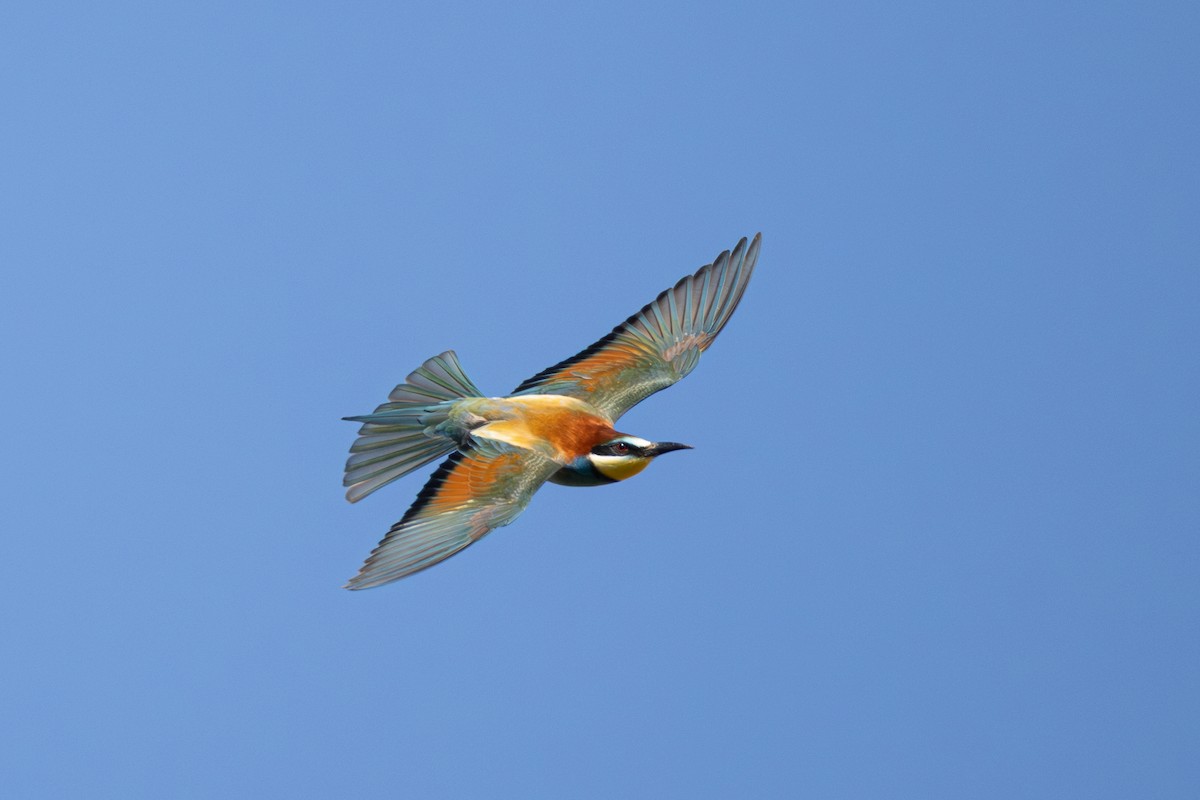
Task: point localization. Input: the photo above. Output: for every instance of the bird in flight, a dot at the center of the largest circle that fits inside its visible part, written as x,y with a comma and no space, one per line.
557,426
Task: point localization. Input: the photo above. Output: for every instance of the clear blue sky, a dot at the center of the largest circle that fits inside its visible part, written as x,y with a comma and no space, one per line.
940,534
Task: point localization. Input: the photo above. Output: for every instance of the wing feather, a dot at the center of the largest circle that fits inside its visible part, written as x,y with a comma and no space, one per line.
658,345
471,494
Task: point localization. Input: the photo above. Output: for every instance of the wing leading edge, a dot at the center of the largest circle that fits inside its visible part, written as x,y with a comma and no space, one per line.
657,346
471,494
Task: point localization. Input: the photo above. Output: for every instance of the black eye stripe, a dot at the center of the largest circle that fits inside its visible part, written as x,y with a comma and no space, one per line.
616,449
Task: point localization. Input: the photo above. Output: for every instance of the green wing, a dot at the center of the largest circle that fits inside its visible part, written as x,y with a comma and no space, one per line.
657,346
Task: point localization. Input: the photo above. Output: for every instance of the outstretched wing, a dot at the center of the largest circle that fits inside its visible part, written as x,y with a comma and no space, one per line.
470,494
657,346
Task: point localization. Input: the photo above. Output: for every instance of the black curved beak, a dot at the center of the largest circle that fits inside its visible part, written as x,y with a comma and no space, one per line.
666,447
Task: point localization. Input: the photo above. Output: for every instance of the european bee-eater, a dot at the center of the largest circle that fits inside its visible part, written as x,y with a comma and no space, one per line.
557,426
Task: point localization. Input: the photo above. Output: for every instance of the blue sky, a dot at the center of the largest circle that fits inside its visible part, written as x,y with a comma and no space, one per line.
938,537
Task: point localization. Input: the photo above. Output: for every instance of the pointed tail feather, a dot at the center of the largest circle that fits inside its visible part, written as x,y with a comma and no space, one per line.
399,436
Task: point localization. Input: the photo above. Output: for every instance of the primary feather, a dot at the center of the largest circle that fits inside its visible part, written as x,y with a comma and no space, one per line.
657,346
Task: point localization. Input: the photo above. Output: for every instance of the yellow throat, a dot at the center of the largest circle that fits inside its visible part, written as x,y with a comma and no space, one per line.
618,468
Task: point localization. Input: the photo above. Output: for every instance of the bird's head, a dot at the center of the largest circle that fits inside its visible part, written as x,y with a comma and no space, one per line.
625,456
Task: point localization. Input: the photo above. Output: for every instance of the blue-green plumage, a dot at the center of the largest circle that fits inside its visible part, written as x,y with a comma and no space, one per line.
581,472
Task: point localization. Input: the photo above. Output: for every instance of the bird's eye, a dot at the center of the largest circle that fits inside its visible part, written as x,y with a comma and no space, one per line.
621,448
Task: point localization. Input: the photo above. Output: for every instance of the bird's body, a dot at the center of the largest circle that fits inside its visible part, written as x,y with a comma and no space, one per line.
557,426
